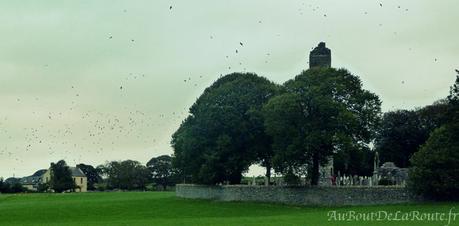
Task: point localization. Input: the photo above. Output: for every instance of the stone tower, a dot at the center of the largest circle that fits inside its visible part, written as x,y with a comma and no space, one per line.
320,56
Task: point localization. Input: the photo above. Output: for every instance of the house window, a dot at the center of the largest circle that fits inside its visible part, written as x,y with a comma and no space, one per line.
81,180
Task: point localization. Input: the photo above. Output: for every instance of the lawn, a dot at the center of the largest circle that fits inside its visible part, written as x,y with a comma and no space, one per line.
163,208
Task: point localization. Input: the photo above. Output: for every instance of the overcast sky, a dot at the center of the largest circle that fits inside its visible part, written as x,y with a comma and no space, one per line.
92,81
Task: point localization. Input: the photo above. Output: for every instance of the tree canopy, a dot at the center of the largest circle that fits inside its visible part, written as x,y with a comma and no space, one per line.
399,137
128,175
61,177
402,132
322,111
224,133
434,172
161,170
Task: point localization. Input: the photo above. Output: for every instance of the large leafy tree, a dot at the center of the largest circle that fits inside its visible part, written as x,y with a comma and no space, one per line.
434,115
91,173
399,137
403,132
61,177
453,99
161,170
225,133
434,171
128,174
321,112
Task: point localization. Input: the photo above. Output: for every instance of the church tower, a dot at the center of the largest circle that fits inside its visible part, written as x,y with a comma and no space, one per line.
320,56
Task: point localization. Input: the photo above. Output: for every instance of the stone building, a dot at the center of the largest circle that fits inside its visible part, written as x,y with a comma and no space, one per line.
32,182
389,174
44,176
320,56
80,179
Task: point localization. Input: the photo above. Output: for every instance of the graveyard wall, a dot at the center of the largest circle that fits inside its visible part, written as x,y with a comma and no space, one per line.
322,196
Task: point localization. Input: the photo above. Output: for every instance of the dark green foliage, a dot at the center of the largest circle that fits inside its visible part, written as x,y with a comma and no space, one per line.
453,99
161,171
91,173
43,187
403,131
434,115
291,178
322,111
17,188
399,137
61,177
357,161
224,133
453,96
386,182
11,187
435,172
127,175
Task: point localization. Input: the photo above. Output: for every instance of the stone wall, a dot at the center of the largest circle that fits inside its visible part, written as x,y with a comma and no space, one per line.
322,196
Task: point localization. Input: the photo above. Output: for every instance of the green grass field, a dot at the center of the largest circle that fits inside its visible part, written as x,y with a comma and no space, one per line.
163,208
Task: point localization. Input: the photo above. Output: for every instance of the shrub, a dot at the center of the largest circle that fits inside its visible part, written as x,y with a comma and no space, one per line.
435,171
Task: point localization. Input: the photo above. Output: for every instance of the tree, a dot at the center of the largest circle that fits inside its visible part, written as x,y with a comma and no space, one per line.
11,186
356,161
222,136
453,96
3,186
403,131
161,170
91,173
400,136
434,115
453,99
321,112
61,177
434,171
128,174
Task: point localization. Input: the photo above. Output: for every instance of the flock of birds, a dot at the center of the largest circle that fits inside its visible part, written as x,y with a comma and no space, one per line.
97,132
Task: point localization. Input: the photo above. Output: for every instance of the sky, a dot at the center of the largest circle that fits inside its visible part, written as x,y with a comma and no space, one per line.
95,81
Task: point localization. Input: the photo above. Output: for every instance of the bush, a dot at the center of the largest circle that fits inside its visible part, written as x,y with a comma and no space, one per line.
43,187
386,182
435,171
291,179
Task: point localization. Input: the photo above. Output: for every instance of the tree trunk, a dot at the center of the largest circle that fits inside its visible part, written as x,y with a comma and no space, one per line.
315,169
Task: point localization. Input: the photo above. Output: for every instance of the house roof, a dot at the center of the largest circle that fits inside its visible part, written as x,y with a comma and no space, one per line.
12,180
37,176
30,180
76,172
39,173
